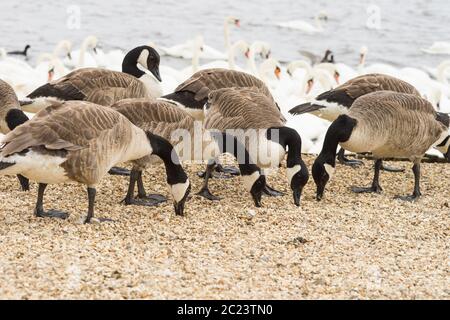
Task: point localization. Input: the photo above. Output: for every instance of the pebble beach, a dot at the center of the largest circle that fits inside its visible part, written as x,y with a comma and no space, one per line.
350,246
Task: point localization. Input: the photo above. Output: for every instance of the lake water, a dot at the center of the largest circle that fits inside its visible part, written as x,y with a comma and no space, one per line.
406,25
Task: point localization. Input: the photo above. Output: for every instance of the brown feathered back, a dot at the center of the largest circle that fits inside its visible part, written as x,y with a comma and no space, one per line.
93,137
157,116
242,108
100,86
203,82
395,124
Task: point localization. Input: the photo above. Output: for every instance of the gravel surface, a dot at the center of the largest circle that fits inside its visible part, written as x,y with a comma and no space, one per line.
347,246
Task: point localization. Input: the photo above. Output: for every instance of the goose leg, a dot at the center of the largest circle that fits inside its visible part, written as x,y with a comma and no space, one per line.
416,193
117,171
143,195
347,162
129,198
204,191
39,209
24,182
375,188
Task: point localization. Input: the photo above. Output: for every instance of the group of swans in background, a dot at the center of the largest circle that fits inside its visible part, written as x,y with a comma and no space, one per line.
291,83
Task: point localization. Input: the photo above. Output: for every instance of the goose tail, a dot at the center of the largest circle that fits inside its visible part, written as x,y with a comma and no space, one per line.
305,108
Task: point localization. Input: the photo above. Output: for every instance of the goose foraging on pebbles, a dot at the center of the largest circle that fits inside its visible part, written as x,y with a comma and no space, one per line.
161,118
257,123
102,86
388,124
333,103
78,141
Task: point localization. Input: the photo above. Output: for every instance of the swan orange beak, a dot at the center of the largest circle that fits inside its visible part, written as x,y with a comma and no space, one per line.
277,72
309,86
247,53
336,77
237,23
51,73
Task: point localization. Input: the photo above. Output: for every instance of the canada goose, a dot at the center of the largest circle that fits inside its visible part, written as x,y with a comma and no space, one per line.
24,52
192,94
78,141
11,116
388,124
333,103
255,120
161,118
102,86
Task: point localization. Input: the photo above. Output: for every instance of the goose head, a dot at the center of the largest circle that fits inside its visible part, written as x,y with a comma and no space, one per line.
322,170
180,192
149,59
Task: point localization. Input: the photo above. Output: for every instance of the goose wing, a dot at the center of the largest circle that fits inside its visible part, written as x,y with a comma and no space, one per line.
96,85
68,126
157,116
242,108
200,84
348,92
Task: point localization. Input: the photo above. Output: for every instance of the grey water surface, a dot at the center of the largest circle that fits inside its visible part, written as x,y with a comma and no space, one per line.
406,25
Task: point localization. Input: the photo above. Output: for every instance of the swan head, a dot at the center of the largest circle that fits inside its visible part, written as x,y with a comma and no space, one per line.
91,42
233,21
64,46
298,64
270,66
149,59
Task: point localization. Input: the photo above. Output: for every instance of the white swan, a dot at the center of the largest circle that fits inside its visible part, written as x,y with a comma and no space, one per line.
439,47
82,58
376,67
184,50
304,26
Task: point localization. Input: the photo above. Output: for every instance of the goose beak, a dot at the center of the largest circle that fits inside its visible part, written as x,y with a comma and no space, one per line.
247,53
257,198
237,23
155,72
297,195
320,190
69,55
179,207
95,50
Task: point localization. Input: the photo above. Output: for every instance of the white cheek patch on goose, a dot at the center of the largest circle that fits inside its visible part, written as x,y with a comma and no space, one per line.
329,169
290,172
249,180
179,190
331,111
142,60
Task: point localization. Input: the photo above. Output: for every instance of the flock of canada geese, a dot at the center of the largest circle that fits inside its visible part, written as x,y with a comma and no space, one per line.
92,119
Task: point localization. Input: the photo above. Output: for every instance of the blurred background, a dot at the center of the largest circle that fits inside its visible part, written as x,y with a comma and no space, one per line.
405,26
